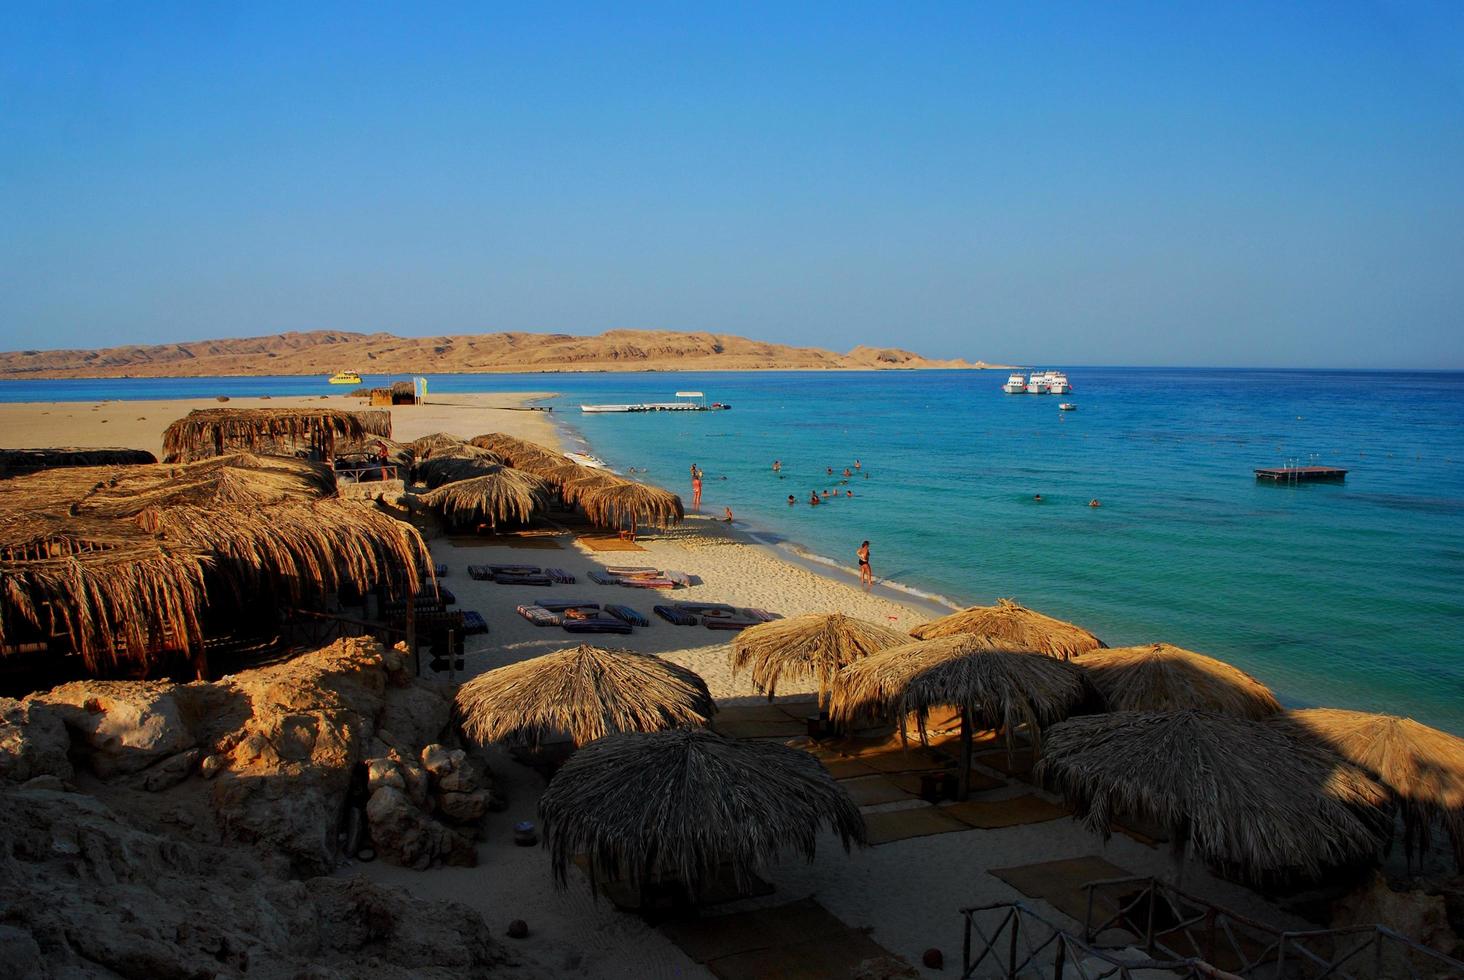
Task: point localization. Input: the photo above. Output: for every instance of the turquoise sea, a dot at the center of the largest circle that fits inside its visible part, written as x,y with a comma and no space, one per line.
1345,594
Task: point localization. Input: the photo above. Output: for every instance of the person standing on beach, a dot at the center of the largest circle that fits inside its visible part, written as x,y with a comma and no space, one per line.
866,577
696,487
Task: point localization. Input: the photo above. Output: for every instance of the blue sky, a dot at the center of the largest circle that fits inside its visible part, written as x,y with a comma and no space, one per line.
1208,183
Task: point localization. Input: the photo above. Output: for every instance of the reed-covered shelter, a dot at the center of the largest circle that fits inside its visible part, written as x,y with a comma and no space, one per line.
460,463
815,646
584,693
631,506
497,495
1422,768
20,462
209,432
685,806
1161,677
994,684
120,564
1014,623
1239,793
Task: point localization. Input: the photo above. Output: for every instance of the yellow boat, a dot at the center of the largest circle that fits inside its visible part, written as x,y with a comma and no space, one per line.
345,378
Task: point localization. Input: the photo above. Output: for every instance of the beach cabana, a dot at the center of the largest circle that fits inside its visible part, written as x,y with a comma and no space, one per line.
683,807
1422,768
993,684
1014,623
120,562
275,431
1160,677
814,646
498,495
1234,791
19,462
585,693
626,504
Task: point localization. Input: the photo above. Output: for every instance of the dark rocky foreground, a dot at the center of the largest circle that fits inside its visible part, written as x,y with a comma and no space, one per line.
191,830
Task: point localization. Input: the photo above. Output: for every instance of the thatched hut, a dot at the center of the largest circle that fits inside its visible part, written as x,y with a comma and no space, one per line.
1236,792
425,447
994,684
119,563
499,495
584,693
1160,677
277,431
20,462
621,505
681,806
1422,768
1014,623
814,646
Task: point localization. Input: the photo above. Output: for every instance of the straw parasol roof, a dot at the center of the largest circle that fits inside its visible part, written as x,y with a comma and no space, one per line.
235,481
683,804
462,463
994,684
428,446
17,462
1160,677
499,495
1422,767
813,646
215,431
1007,620
1233,790
623,502
584,692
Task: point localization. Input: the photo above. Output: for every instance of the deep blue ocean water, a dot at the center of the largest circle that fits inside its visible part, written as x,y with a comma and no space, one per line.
1340,594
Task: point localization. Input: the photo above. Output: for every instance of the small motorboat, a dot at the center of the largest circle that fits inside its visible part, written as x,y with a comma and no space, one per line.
1067,406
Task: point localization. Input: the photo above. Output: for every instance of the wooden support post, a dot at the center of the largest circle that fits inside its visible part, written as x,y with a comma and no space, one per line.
965,778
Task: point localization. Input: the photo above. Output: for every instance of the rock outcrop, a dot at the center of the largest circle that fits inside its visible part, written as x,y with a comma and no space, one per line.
214,811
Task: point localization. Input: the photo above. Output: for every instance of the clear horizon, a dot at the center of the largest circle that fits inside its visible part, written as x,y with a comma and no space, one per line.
1131,184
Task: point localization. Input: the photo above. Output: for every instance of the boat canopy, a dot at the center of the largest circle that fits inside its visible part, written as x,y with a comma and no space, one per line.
690,394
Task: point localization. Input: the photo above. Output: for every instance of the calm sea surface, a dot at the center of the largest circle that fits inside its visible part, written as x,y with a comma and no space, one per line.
1339,594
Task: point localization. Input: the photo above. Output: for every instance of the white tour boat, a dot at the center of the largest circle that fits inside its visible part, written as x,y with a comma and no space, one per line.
1016,384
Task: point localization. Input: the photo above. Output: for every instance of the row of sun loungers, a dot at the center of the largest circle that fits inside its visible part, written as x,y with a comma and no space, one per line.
713,615
520,575
583,617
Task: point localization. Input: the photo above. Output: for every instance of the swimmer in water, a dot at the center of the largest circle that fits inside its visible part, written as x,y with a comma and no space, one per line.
777,465
856,464
728,518
1037,497
813,500
1094,503
792,500
848,493
846,472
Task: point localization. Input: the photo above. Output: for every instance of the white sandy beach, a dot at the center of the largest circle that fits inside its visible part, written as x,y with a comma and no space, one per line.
907,893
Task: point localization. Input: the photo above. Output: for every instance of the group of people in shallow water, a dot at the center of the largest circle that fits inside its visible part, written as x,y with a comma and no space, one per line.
815,497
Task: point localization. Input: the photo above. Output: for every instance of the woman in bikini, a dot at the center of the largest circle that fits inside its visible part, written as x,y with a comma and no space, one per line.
866,577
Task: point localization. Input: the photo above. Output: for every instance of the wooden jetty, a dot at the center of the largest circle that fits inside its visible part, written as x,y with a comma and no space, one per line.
1301,474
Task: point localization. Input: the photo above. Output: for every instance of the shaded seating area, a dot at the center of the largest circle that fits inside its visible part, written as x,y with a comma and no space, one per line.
312,432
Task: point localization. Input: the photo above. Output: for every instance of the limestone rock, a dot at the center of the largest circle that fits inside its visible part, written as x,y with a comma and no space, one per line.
463,807
171,771
1421,917
414,716
403,834
33,742
383,772
439,760
124,726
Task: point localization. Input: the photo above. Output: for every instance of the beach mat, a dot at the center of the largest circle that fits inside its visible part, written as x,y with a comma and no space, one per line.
509,541
798,941
924,821
1018,763
874,790
606,542
1012,812
1060,883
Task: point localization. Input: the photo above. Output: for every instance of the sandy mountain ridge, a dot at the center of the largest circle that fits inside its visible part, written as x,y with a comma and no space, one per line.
328,351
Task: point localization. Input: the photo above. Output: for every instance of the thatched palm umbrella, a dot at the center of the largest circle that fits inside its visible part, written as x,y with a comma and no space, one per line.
1160,677
1232,790
428,446
19,462
239,480
1421,767
618,504
462,463
216,431
816,645
682,804
584,692
1007,620
502,494
994,684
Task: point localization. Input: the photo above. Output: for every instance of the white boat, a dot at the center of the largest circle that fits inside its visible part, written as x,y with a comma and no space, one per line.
1016,384
1037,383
1068,406
696,402
1057,383
587,459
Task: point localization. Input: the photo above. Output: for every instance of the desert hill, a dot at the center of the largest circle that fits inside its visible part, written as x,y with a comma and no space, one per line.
328,351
